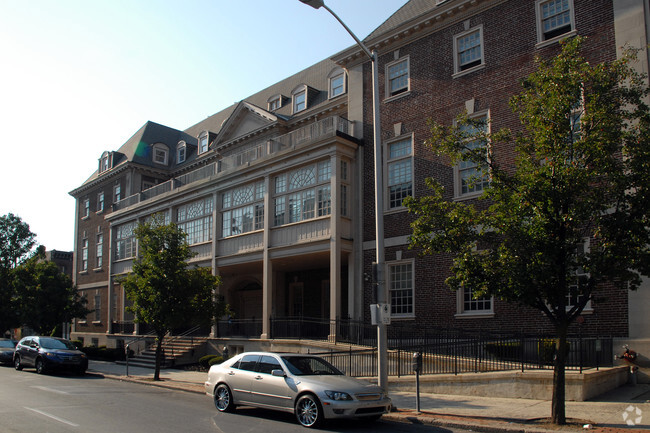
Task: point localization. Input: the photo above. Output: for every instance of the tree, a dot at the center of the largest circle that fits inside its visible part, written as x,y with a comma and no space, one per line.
166,294
45,296
582,171
16,242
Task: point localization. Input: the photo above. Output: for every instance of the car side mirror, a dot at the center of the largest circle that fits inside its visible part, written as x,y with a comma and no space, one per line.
278,372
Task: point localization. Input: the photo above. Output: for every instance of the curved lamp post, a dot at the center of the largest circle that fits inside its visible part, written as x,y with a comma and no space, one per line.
382,296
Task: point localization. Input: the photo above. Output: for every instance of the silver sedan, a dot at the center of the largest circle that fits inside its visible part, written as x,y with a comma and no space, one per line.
305,385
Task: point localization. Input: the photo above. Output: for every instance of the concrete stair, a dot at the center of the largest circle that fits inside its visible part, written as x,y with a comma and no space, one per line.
177,351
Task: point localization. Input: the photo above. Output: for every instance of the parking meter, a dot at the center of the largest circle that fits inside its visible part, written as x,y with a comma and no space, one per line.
417,362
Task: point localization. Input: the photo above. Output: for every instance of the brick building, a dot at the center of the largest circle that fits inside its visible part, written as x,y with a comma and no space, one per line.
276,192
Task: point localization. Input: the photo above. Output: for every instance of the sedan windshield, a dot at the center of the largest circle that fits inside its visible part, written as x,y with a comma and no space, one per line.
53,343
309,365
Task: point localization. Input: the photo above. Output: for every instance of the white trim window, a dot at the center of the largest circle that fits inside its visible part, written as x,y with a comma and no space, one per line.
399,167
398,77
468,50
555,19
160,153
104,162
125,241
580,279
336,82
195,219
99,251
100,202
300,101
203,143
275,103
303,194
86,208
84,254
243,209
181,152
469,178
471,305
400,288
117,193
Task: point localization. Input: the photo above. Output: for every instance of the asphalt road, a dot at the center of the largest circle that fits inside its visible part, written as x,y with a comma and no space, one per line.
64,403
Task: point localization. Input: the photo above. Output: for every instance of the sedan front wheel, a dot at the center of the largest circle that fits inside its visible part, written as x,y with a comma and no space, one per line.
17,365
308,411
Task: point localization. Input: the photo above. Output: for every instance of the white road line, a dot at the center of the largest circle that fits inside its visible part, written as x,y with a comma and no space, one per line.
45,388
56,418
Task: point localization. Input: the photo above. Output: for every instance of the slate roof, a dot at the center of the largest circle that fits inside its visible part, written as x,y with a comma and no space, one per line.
411,10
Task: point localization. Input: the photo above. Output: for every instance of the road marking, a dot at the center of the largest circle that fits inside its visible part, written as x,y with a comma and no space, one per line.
56,418
45,388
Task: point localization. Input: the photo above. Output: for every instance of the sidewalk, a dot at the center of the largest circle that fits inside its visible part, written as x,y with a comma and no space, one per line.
605,414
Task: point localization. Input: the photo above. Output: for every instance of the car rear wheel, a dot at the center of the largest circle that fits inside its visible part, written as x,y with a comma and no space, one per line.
309,411
17,365
223,399
40,366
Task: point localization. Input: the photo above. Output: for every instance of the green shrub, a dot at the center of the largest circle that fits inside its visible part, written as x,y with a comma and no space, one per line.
215,360
546,350
204,361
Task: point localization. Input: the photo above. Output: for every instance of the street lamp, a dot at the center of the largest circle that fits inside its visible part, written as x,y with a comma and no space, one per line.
382,340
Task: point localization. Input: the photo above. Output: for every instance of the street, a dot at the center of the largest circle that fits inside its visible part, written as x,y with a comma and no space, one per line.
64,403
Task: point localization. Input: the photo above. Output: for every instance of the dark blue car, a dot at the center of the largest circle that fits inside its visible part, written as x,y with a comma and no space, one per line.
7,348
48,354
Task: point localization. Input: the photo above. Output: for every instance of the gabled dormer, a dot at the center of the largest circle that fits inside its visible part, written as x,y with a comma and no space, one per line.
276,102
336,83
160,154
301,98
105,162
205,138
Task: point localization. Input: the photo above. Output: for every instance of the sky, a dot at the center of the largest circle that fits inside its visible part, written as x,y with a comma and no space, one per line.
80,77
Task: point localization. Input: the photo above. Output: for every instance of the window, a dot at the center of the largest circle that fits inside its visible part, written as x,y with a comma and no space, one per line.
195,219
203,143
397,74
336,83
554,19
299,101
400,172
104,162
86,208
471,305
470,178
160,154
125,241
468,49
243,209
117,193
303,194
400,280
98,308
99,250
100,202
181,152
84,254
275,102
581,277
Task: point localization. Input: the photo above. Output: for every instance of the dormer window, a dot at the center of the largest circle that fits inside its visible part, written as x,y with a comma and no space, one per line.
275,102
336,80
300,101
181,152
203,142
160,154
104,162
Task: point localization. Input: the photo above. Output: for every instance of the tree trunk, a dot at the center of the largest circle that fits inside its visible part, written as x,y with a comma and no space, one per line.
558,405
156,374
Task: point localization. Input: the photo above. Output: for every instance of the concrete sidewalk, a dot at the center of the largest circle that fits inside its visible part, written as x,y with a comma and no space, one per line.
607,413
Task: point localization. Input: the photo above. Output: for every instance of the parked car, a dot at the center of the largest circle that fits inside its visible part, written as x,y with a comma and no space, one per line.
7,348
306,385
48,354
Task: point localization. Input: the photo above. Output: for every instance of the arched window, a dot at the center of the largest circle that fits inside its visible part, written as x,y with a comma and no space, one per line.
336,83
181,152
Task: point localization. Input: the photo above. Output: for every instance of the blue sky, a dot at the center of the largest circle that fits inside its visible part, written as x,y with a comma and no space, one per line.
79,77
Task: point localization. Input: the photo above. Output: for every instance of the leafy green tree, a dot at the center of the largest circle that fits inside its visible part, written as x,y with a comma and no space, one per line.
582,171
16,243
45,296
166,294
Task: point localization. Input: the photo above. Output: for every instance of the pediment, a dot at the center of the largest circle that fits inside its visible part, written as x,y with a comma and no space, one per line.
245,120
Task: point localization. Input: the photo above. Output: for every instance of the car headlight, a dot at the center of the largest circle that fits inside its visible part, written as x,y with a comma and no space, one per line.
51,355
338,395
